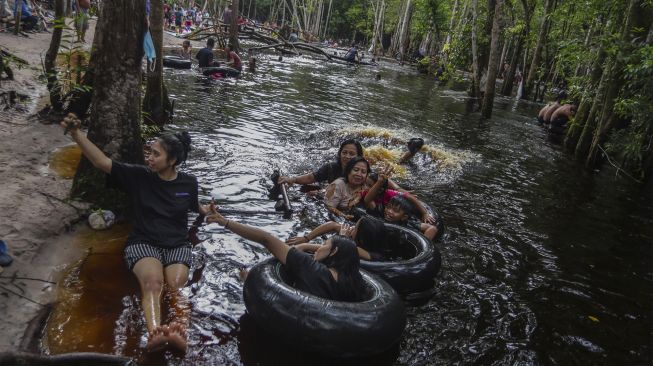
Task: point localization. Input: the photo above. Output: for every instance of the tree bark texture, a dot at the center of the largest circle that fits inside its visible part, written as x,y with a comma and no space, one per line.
636,18
475,91
233,27
488,97
509,78
537,53
51,58
114,124
156,102
399,42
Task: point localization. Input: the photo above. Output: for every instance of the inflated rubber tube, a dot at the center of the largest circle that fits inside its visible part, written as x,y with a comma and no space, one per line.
176,62
414,277
314,324
226,71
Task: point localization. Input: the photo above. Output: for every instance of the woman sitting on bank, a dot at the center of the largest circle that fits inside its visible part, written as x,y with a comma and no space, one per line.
332,272
157,249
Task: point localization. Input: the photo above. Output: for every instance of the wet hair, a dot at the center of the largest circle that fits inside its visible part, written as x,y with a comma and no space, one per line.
210,42
177,146
350,166
370,233
359,148
401,203
345,261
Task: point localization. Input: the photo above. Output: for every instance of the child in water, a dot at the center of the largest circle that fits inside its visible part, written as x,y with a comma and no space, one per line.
395,207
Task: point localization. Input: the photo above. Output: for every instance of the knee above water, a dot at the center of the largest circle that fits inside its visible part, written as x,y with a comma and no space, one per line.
152,283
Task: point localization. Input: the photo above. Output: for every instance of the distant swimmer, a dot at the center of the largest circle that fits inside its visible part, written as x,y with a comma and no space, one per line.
560,117
552,108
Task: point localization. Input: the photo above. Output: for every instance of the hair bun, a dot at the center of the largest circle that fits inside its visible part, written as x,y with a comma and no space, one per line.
184,137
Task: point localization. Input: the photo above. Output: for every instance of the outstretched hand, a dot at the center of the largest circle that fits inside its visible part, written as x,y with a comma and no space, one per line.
70,123
428,219
214,216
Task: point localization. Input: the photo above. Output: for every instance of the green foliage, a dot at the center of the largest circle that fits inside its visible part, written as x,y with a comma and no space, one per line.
149,131
635,104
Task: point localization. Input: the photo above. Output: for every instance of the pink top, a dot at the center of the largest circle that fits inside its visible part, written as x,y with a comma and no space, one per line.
385,198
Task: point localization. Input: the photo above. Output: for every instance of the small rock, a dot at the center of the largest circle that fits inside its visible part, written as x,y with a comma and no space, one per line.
101,220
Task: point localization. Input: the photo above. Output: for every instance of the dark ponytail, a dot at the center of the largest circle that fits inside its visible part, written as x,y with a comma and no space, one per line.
177,146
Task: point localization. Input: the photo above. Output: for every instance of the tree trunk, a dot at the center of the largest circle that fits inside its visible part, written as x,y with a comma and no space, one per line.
488,98
156,102
54,88
616,81
400,37
509,79
537,54
233,28
114,124
476,83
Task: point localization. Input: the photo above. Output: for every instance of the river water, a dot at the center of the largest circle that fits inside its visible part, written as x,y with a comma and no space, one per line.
543,262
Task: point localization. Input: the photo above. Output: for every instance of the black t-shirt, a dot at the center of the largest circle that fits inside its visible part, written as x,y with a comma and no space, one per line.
311,276
205,57
328,172
160,207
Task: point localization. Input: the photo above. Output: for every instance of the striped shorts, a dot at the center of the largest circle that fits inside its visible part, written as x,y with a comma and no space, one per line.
134,252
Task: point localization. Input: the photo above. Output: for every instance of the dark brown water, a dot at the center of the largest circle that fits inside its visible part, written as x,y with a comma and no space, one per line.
543,263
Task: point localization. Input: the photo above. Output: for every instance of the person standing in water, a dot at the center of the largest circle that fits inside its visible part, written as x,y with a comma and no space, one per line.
157,249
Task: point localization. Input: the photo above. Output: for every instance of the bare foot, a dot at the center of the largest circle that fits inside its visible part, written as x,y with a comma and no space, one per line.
158,340
178,337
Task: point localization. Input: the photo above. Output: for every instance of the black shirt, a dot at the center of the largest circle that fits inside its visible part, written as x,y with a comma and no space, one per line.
205,57
311,276
160,207
328,172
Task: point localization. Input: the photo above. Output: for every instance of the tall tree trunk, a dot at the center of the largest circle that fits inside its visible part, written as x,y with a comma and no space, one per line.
488,97
156,102
399,42
114,124
537,54
634,20
509,79
475,91
54,88
577,126
233,28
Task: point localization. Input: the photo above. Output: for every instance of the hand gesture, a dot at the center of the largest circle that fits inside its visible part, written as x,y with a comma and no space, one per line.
385,172
70,123
214,215
347,230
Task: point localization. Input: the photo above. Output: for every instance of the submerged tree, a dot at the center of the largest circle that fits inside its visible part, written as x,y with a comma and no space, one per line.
156,103
114,123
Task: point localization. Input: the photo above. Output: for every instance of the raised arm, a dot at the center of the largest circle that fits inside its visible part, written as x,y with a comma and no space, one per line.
278,248
328,227
302,179
92,152
424,214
